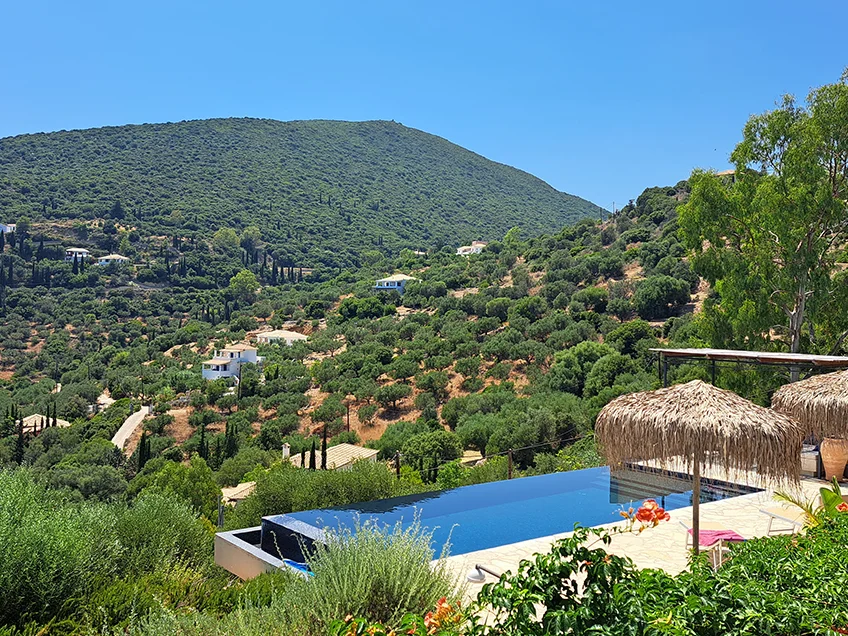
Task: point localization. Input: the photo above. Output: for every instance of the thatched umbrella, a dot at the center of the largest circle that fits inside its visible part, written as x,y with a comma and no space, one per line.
820,403
704,425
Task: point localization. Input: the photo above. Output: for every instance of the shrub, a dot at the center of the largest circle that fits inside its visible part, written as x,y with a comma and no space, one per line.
52,550
659,296
159,529
774,585
284,488
375,572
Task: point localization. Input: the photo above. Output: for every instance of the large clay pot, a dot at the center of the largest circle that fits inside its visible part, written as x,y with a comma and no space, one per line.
834,454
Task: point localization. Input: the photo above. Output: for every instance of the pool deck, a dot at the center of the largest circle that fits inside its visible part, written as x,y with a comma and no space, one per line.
663,547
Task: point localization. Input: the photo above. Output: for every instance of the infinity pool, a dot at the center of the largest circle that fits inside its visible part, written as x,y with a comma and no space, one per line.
497,513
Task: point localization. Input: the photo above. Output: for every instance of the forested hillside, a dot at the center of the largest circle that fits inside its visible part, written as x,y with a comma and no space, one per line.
514,348
321,192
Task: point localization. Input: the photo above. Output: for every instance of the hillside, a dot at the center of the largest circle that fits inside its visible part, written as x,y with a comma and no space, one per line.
321,192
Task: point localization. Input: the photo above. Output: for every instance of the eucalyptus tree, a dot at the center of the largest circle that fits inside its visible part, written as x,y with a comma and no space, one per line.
769,238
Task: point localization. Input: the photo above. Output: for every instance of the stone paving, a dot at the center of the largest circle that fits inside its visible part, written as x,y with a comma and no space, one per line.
663,547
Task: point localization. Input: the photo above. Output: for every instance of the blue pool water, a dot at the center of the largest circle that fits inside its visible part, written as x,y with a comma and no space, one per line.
488,515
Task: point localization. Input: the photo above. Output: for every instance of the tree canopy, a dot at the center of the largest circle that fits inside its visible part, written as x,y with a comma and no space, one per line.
768,237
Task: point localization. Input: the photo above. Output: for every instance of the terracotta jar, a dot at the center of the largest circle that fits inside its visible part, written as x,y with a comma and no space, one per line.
834,454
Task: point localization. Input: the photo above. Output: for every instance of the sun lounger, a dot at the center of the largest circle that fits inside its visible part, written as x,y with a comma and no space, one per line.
715,538
783,520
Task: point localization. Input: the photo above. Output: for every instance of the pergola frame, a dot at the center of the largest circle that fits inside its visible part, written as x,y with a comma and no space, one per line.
788,361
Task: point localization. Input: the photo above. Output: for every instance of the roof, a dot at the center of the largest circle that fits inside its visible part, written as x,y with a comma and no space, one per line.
76,249
338,456
239,492
282,334
34,420
113,257
218,361
240,346
819,402
757,357
726,173
704,425
396,277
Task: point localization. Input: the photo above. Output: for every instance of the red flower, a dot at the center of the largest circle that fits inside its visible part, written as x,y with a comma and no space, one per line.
843,507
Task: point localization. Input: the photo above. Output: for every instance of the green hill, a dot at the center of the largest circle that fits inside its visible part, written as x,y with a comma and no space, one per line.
318,190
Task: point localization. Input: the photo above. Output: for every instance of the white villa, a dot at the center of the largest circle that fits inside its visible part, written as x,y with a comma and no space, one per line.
279,336
8,228
395,282
80,252
117,259
475,248
227,362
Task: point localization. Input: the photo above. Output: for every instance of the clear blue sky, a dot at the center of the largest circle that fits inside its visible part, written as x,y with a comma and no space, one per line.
599,99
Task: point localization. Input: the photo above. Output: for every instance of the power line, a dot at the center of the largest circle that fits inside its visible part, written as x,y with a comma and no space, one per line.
508,452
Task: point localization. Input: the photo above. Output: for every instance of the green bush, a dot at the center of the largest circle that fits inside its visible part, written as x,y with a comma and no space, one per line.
284,488
376,572
160,528
52,550
379,573
786,586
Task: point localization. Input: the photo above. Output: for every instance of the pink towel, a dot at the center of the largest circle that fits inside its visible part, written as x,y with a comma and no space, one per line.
710,537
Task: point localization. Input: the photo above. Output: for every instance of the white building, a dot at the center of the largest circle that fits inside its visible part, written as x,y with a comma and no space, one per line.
8,228
227,362
475,248
80,252
395,282
117,259
279,336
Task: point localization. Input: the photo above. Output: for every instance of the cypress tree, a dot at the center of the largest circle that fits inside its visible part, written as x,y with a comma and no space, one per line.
55,416
2,241
75,266
203,449
230,442
312,456
10,278
324,448
19,443
143,452
303,458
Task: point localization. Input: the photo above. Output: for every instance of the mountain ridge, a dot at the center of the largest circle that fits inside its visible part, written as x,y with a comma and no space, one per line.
361,184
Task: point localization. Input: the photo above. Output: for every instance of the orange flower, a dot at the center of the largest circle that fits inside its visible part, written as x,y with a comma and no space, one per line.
843,507
644,515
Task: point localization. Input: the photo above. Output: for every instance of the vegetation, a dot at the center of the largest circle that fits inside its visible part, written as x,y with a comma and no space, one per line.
778,585
769,242
319,192
508,354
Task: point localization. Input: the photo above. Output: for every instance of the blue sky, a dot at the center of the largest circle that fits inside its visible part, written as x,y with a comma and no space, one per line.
599,99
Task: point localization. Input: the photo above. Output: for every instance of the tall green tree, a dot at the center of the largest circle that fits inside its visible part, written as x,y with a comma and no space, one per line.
768,238
243,286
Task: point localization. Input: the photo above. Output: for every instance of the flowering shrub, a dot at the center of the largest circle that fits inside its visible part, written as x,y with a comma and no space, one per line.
445,620
649,515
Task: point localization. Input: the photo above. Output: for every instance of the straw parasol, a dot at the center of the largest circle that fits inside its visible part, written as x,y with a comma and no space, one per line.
820,403
705,426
